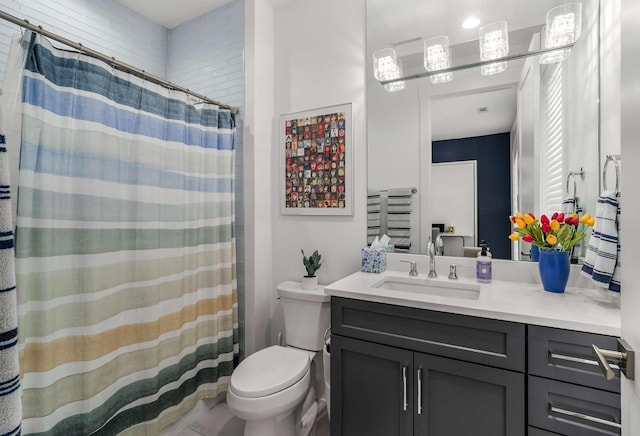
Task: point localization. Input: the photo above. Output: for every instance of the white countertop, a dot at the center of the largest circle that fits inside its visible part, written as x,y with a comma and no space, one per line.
582,309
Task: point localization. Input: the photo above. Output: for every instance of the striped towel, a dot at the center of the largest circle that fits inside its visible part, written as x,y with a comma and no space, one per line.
571,205
10,395
602,260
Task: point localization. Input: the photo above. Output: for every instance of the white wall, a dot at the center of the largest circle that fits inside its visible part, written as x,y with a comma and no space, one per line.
259,98
630,206
610,22
318,65
581,84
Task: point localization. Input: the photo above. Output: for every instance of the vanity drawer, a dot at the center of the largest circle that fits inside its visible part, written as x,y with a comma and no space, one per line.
486,341
567,356
571,410
532,431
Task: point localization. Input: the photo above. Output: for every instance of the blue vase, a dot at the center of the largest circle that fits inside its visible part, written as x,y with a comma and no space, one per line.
535,253
554,270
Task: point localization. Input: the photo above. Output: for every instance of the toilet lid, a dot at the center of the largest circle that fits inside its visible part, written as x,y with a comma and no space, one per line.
269,371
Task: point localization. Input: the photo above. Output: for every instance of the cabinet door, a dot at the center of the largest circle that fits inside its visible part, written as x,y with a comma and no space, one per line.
461,398
371,389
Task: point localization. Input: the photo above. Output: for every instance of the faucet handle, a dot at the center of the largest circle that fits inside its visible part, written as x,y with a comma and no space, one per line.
413,267
452,272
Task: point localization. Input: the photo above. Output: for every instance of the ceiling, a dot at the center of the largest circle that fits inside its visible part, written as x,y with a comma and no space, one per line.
171,13
392,21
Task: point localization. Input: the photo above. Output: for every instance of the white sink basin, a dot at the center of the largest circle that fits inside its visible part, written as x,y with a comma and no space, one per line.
440,288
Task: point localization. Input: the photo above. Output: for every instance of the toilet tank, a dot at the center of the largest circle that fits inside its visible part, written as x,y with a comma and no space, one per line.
307,314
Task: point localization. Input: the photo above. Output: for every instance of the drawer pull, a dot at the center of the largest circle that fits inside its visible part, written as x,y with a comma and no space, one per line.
419,391
404,388
586,417
624,357
577,360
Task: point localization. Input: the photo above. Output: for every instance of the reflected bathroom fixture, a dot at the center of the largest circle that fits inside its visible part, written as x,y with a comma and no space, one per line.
385,64
437,56
562,29
400,84
563,26
494,44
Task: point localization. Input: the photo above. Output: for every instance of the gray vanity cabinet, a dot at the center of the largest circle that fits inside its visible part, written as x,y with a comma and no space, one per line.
404,371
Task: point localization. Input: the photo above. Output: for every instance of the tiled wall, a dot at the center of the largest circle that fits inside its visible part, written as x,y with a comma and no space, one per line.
106,26
206,56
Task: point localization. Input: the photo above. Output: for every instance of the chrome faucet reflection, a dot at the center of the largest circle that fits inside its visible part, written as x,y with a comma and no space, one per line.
431,251
413,267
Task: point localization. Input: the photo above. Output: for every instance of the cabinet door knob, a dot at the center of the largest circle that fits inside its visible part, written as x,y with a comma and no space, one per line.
419,391
624,357
404,388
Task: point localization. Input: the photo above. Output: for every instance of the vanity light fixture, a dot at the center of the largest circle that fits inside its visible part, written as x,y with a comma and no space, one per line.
563,26
437,56
494,44
387,66
400,84
561,31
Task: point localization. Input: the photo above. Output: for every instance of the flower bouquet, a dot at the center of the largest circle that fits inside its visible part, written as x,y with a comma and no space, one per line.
555,238
559,233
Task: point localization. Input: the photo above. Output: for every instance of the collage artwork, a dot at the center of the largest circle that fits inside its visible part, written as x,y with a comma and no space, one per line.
315,161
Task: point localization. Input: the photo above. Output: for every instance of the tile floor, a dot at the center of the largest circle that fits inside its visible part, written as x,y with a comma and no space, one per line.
219,421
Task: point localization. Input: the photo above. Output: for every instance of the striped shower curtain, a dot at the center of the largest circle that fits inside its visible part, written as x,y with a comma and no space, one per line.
10,405
125,252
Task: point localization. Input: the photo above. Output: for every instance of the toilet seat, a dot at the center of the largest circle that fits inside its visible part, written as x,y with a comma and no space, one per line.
268,371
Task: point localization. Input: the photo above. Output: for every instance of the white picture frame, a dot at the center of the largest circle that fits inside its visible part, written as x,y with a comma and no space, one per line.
316,161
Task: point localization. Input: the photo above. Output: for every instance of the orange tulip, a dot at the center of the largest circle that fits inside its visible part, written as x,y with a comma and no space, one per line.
585,218
514,236
554,224
520,222
551,239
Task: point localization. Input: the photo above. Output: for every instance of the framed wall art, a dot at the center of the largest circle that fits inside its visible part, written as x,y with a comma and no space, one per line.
316,153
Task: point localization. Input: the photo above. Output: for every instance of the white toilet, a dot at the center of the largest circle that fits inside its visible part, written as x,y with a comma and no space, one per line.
279,390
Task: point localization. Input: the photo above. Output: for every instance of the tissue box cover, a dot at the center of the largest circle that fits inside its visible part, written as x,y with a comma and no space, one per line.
374,260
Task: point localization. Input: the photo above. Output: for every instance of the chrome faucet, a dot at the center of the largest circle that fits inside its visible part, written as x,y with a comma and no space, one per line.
431,251
452,272
413,268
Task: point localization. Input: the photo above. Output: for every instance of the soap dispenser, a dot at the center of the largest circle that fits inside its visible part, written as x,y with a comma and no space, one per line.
483,265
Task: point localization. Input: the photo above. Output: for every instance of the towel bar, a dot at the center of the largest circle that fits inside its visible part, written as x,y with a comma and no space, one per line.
614,159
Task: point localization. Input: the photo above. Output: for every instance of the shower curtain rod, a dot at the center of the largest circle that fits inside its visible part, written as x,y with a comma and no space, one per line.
110,60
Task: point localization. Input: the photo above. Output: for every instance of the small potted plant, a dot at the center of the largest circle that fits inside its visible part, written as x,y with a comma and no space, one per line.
312,264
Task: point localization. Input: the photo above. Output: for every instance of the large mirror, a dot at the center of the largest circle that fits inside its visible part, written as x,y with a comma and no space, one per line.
450,161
